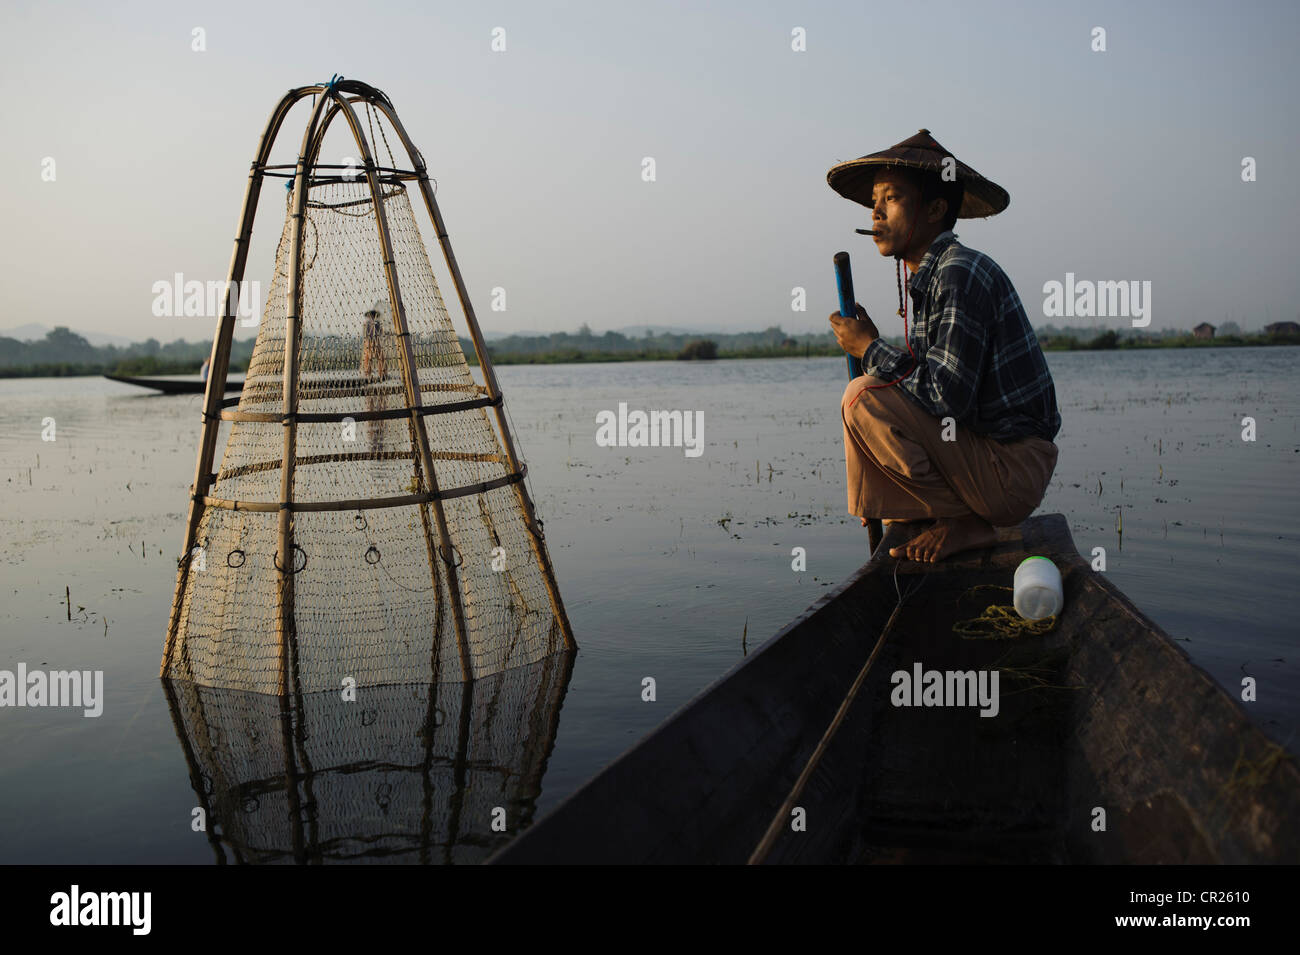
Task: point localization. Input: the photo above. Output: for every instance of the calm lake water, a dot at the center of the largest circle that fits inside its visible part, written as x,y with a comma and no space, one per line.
665,562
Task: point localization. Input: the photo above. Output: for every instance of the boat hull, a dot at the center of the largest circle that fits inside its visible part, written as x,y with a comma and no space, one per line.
1108,745
172,386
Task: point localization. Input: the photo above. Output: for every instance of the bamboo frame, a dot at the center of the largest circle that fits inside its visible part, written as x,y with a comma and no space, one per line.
219,362
243,469
333,101
540,554
485,362
410,375
337,416
368,503
284,624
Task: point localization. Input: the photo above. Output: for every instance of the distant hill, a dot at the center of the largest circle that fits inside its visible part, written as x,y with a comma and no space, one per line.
35,332
627,331
641,331
32,332
64,352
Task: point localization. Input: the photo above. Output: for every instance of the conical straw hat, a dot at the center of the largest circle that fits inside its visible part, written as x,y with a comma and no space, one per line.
856,178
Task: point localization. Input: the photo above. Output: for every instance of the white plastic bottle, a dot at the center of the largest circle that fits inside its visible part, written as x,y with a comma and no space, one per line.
1037,590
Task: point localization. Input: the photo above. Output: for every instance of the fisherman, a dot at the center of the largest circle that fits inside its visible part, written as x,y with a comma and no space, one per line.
374,368
374,364
959,425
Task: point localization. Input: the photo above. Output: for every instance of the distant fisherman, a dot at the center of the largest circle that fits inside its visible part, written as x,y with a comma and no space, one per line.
374,368
971,357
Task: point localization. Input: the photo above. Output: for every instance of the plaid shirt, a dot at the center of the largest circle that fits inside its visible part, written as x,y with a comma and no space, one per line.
978,358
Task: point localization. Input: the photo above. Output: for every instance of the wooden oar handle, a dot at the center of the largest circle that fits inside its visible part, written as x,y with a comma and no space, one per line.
844,283
848,301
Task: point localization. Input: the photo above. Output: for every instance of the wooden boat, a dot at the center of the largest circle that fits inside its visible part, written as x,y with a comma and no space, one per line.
172,386
1102,720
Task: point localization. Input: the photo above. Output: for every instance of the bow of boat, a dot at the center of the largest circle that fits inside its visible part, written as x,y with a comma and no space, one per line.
1106,744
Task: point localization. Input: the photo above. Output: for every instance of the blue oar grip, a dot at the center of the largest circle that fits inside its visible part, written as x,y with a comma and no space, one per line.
844,283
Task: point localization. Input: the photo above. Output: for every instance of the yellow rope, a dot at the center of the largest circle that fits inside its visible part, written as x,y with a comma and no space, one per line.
1247,775
999,621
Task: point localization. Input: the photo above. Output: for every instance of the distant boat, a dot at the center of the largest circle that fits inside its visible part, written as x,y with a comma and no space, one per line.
173,386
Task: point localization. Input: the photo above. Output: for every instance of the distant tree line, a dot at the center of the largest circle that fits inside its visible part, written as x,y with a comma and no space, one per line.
1052,338
63,352
585,345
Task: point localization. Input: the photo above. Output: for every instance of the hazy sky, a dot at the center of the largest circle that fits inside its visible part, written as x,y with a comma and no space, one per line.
1121,165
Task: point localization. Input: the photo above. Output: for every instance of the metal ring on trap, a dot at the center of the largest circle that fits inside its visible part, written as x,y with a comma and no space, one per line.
275,559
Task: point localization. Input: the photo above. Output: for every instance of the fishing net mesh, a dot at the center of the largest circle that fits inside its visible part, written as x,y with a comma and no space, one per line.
371,593
408,773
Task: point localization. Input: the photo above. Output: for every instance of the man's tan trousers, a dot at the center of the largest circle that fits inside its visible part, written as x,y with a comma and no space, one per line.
899,466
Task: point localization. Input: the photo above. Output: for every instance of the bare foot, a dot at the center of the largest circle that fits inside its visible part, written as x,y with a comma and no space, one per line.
949,535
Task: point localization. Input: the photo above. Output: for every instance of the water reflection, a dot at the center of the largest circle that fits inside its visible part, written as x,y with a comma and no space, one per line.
410,774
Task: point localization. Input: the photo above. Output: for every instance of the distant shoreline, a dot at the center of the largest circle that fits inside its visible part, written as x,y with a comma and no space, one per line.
1105,342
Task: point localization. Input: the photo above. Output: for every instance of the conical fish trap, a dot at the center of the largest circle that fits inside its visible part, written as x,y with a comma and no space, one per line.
411,774
354,561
